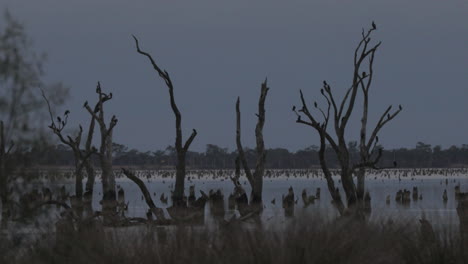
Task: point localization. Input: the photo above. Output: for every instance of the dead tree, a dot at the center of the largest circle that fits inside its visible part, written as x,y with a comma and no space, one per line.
158,212
90,172
368,145
239,196
256,178
4,177
181,149
340,113
81,156
105,150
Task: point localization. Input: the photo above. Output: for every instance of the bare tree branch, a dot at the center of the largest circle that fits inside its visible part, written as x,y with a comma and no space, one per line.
240,149
364,52
255,179
189,140
158,212
384,119
181,150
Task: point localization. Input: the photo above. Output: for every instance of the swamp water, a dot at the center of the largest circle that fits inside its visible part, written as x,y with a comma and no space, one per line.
431,185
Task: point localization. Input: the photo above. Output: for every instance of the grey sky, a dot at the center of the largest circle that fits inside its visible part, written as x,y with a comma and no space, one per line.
217,50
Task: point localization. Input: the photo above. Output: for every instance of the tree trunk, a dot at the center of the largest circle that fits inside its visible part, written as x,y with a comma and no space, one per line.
178,197
255,179
360,184
110,174
158,212
108,181
78,175
105,158
109,199
88,163
257,190
105,150
335,194
91,178
88,195
348,186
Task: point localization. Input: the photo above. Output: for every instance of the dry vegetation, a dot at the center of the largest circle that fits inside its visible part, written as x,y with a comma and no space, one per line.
311,241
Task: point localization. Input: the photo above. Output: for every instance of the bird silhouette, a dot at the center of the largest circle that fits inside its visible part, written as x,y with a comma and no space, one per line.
373,25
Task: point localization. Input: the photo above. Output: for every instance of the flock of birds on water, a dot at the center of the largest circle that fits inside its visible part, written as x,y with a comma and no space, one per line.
226,174
60,193
402,196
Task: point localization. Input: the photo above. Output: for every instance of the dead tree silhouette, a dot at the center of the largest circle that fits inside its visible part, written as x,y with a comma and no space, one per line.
105,149
158,212
341,113
256,178
181,149
367,146
81,156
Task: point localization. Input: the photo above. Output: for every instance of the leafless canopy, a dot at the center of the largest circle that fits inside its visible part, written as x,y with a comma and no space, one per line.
338,114
81,156
105,150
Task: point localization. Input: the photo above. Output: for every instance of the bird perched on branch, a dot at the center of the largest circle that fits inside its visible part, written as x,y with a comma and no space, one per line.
373,25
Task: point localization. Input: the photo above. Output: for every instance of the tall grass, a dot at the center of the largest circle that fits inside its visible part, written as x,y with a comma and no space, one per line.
298,241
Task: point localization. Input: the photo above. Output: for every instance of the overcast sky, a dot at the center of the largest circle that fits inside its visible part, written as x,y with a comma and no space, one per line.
217,50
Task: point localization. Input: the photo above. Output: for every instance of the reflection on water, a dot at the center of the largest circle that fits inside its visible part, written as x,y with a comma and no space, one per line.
391,195
383,193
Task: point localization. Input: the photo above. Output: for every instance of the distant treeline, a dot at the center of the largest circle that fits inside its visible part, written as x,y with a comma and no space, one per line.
215,157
